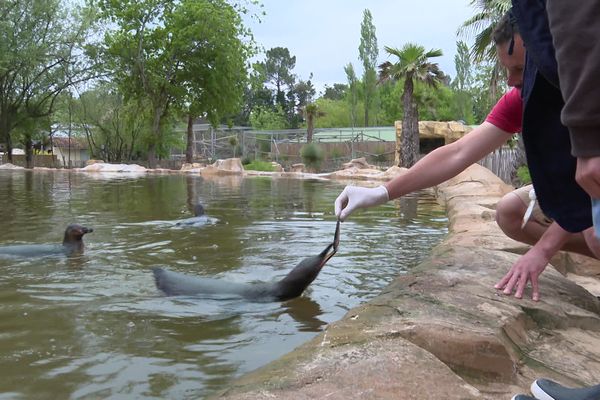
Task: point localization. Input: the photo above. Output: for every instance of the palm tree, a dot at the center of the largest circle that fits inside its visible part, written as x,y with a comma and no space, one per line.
482,26
413,64
311,111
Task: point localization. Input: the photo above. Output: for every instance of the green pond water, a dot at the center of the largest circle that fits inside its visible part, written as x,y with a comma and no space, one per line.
95,326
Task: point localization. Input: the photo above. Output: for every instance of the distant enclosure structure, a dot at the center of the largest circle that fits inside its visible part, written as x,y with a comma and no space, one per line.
340,145
283,146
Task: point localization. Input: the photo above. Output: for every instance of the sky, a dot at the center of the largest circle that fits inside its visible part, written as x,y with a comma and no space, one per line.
324,35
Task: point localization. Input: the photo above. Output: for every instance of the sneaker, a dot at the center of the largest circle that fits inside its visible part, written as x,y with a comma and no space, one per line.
522,397
544,389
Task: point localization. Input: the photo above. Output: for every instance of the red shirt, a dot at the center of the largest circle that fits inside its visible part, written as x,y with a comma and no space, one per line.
507,114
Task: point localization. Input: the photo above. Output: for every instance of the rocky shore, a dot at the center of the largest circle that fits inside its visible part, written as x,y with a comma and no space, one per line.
442,331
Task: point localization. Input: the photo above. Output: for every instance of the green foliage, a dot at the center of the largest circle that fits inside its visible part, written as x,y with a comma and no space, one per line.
483,101
42,55
336,92
482,24
259,166
523,175
312,155
186,56
334,114
412,65
352,93
115,127
263,118
368,53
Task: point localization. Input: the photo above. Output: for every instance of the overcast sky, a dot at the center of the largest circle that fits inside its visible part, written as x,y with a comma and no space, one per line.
324,35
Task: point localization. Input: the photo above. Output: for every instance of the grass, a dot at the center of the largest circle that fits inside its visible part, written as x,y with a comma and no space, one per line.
257,165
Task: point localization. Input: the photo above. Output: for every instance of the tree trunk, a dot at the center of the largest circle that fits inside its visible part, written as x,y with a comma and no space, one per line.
5,135
189,150
310,127
409,151
155,138
28,152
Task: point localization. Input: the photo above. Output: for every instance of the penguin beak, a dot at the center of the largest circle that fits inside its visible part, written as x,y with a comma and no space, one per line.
334,245
85,230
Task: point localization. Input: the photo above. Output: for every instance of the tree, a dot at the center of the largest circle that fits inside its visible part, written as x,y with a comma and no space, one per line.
209,94
256,95
278,68
352,92
368,53
265,118
463,82
42,56
311,111
114,127
187,55
301,95
413,64
335,92
482,26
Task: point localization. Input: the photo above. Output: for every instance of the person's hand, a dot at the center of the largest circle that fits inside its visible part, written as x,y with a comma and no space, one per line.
353,197
527,268
588,175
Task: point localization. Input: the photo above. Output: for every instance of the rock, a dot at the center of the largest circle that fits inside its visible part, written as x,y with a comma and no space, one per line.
91,161
229,166
298,168
277,167
443,322
10,166
194,166
356,173
359,163
104,167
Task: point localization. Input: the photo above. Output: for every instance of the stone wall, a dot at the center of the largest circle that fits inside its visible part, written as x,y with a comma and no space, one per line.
441,331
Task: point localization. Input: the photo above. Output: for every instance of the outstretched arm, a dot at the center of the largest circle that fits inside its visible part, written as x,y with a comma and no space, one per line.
436,167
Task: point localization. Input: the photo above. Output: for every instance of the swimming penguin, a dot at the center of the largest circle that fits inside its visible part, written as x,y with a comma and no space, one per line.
199,218
292,285
72,245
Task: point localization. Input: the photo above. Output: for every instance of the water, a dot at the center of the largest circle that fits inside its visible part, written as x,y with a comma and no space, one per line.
95,326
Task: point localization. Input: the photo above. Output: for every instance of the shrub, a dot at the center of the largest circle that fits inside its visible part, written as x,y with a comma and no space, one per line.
312,155
257,165
523,175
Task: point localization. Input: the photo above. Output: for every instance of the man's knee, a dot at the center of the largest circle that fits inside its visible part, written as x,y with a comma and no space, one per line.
509,214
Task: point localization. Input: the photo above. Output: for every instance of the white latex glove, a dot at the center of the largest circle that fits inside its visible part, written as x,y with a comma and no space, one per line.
353,197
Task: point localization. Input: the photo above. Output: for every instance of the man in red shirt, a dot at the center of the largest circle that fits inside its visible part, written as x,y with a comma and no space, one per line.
448,161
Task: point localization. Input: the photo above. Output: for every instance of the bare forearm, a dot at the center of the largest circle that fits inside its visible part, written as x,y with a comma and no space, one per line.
448,161
433,169
552,240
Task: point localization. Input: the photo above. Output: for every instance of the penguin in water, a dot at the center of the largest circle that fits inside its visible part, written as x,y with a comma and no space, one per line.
72,245
199,218
292,285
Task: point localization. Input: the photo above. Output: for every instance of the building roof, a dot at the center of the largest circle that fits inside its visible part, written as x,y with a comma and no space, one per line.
76,143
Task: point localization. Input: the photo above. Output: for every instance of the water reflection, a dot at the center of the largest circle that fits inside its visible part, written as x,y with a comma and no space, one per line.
305,312
96,327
